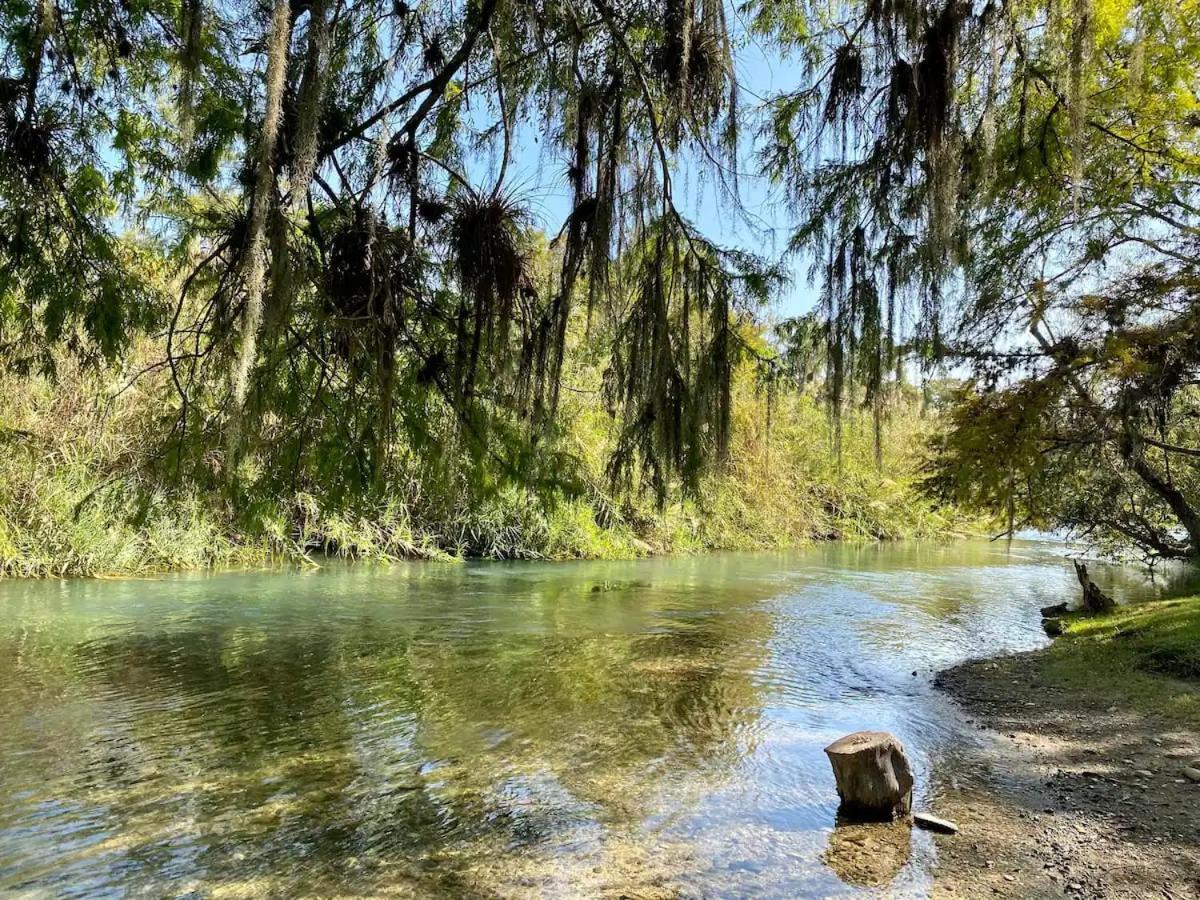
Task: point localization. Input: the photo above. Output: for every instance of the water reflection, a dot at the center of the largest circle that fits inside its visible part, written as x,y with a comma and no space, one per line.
648,728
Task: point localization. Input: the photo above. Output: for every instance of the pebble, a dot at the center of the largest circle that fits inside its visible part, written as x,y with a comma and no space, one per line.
1193,774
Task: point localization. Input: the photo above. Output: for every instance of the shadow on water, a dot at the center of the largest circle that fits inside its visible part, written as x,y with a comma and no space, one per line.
648,727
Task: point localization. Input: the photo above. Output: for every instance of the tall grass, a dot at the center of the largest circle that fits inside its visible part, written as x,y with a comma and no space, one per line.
77,496
72,499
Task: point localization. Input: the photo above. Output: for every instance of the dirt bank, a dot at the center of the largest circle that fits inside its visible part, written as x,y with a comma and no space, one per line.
1076,787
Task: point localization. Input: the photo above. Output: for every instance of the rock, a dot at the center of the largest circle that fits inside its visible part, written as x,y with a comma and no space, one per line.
933,823
1054,610
1052,627
1193,774
874,778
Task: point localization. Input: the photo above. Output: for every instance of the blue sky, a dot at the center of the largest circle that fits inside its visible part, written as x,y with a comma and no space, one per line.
538,172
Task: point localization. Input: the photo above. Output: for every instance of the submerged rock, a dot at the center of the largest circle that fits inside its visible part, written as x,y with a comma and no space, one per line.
868,855
874,777
1193,774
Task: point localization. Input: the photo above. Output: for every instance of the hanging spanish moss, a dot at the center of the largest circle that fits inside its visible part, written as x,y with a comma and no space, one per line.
308,103
987,122
696,62
671,374
1081,41
374,276
192,32
597,220
371,268
485,233
278,38
845,84
936,76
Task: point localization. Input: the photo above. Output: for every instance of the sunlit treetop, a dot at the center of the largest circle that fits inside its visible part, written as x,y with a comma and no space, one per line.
334,179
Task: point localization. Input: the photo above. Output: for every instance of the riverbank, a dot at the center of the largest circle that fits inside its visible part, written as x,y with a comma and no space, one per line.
87,487
1077,786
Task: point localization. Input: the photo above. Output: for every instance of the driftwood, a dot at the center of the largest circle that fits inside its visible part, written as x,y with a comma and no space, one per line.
934,823
1094,599
874,778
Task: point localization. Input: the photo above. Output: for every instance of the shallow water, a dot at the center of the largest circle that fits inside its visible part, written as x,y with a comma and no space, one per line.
652,727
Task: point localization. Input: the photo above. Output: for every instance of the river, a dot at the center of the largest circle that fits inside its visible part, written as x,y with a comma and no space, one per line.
651,727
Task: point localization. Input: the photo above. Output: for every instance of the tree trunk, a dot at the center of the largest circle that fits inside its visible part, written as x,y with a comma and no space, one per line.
1187,515
1094,599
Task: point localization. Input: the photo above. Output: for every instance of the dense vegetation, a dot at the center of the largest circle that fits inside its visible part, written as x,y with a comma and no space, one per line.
1026,176
80,493
268,280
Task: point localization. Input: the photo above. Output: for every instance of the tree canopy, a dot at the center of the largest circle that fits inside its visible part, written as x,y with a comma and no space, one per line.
1021,180
313,204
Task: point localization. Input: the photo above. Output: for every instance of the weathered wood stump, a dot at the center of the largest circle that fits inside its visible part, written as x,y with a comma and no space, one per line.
874,778
1094,599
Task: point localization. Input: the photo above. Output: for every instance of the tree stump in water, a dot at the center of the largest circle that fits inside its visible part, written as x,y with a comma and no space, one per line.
1094,599
874,778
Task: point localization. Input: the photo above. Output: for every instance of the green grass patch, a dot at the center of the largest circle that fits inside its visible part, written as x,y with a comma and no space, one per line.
1146,655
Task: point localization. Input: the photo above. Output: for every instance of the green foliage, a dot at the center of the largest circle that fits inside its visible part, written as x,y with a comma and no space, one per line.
311,173
70,501
82,494
1020,182
296,227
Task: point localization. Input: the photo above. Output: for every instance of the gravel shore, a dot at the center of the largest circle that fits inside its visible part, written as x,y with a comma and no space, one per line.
1071,792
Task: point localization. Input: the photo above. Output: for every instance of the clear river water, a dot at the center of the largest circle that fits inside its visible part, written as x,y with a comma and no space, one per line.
650,728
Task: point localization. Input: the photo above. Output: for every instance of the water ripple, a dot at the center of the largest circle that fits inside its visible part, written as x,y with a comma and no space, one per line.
509,729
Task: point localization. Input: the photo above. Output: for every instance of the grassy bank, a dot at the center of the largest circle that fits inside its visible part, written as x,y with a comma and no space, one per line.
1083,788
86,489
1145,655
